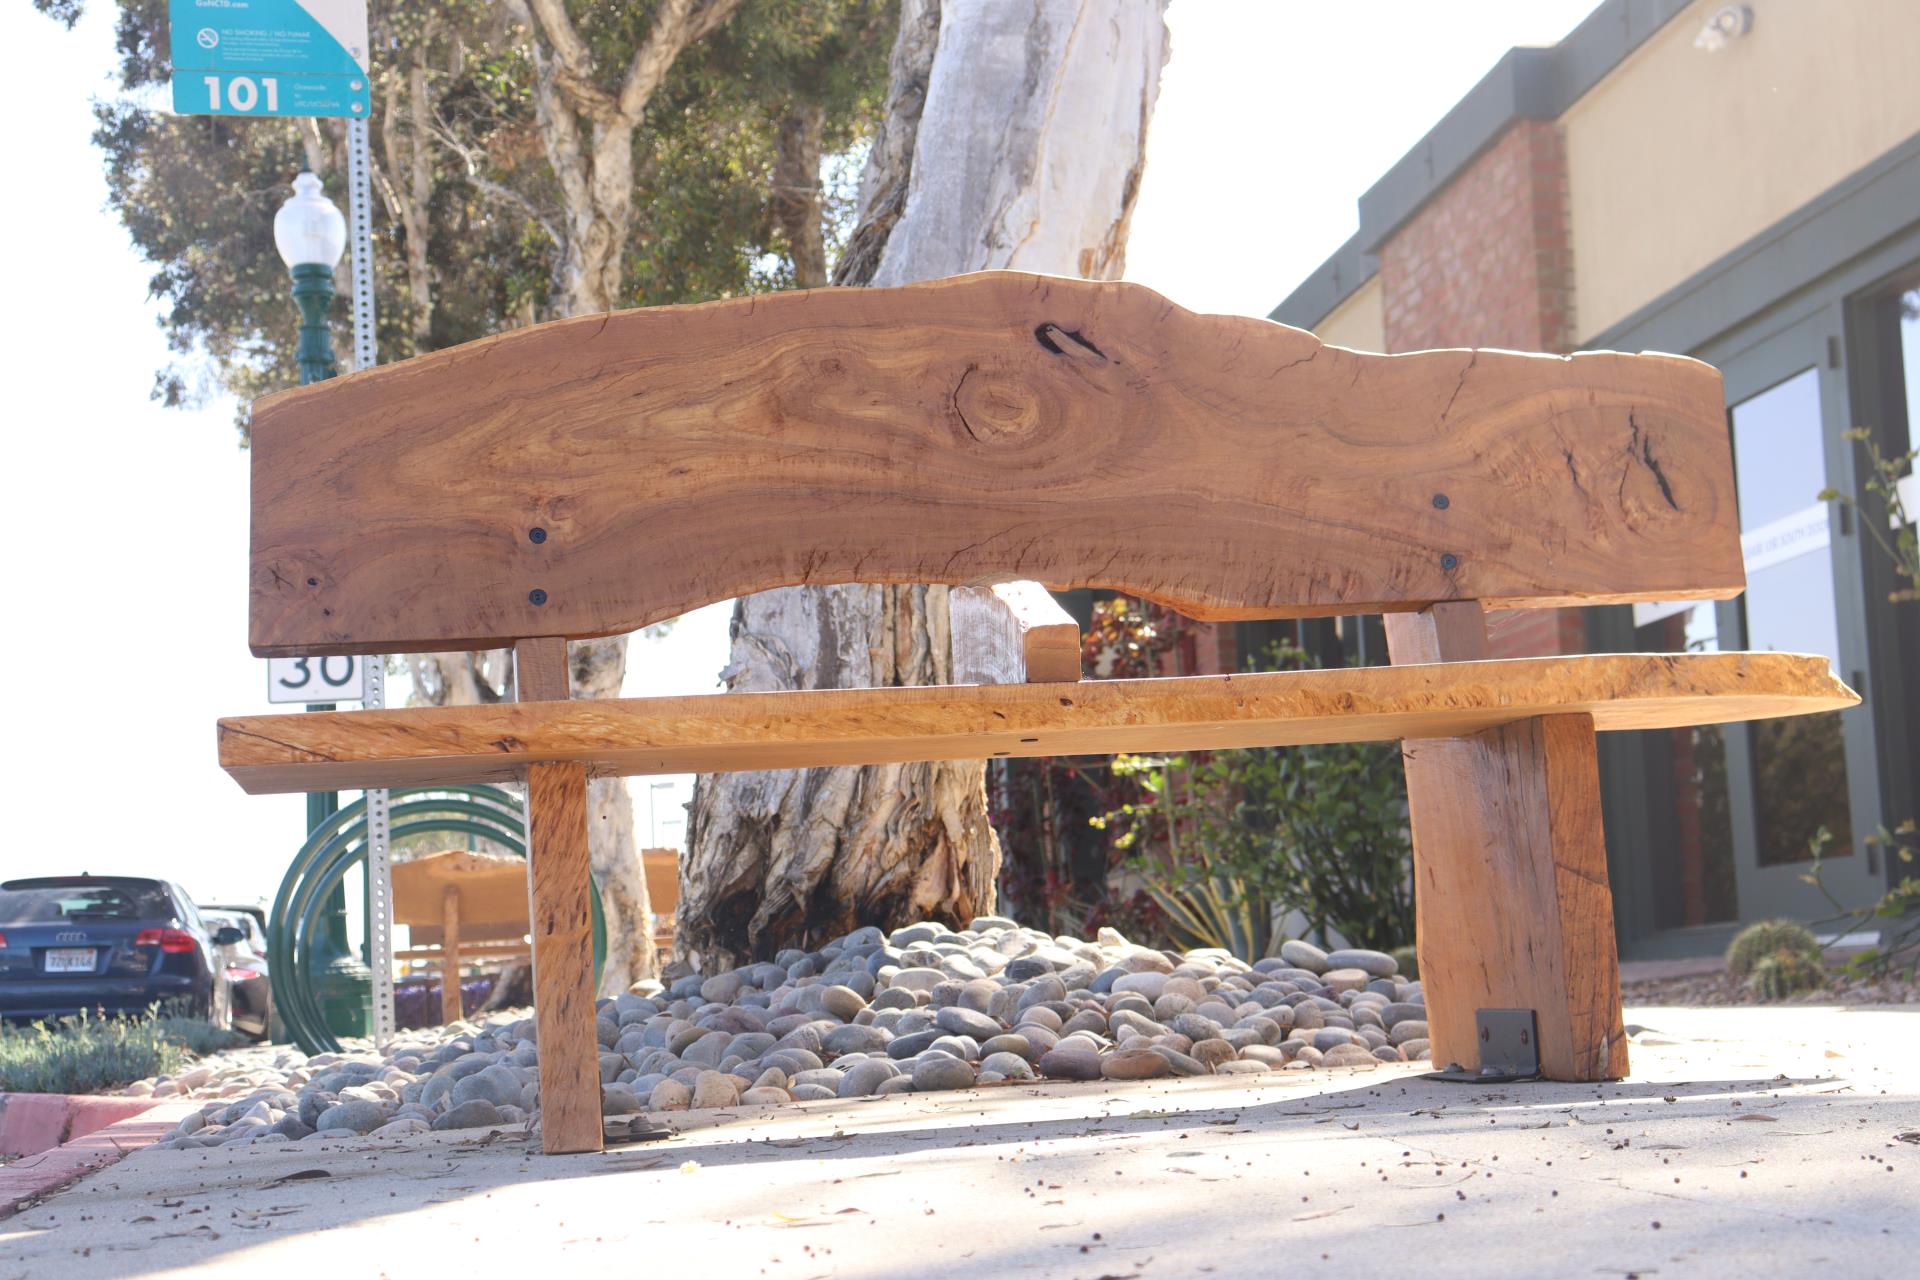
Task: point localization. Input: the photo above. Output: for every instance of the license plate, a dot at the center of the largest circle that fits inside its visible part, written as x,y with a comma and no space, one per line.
70,960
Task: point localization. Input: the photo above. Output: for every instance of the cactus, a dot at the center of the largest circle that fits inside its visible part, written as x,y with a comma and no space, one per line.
1785,973
1767,939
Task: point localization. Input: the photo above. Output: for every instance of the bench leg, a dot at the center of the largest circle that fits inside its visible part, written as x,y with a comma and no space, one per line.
1510,873
563,957
451,1009
1510,892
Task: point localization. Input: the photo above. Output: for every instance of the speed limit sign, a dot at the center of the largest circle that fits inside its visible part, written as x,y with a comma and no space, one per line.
335,679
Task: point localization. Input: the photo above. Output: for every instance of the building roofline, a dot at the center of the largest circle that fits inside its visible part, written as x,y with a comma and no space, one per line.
1526,84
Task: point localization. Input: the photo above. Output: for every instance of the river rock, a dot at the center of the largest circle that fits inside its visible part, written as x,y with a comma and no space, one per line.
1304,955
472,1114
937,1072
1134,1064
1070,1064
1375,964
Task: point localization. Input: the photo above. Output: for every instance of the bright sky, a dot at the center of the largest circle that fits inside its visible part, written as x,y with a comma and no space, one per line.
129,522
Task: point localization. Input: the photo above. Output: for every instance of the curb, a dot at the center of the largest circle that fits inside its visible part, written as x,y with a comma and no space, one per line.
34,1122
32,1178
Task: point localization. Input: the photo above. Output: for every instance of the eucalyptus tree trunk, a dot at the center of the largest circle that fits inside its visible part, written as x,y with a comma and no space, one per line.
587,113
1014,137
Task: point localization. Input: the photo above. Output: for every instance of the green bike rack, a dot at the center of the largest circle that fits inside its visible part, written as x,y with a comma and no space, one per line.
295,926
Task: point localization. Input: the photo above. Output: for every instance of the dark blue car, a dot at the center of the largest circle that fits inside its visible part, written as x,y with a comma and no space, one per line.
107,944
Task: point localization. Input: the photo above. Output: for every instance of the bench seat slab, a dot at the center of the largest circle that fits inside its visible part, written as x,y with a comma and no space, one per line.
734,732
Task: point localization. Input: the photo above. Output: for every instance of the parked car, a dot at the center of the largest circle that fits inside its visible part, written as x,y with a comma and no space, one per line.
111,945
245,964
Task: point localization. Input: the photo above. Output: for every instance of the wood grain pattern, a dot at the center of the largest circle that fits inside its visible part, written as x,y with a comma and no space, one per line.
561,886
724,733
1510,889
540,669
1012,633
1511,899
593,475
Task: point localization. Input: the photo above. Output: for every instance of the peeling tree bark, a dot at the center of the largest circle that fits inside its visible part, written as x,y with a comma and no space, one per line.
1014,136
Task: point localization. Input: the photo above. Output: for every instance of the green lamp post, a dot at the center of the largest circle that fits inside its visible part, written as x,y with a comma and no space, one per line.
311,235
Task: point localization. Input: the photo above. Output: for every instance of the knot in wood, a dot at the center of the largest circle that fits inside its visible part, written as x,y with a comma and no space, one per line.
994,405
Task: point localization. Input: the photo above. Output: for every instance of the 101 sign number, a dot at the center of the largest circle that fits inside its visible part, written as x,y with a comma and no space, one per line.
243,94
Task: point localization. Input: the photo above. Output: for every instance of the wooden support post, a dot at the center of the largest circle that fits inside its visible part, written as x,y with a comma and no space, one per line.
561,913
540,669
1510,872
450,1008
562,920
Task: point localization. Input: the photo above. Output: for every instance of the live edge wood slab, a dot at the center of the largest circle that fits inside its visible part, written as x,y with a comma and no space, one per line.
591,476
728,732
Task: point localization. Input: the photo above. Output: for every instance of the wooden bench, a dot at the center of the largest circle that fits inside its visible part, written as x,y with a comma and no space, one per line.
460,907
591,476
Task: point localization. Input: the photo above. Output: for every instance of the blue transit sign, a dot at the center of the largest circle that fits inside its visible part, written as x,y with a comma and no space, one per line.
270,57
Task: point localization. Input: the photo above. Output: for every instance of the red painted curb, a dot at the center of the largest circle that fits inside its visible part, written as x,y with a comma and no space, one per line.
27,1180
34,1122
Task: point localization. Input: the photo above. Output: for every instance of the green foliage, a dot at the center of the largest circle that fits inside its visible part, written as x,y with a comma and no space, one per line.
1770,938
1408,958
1897,914
1320,830
198,193
1209,908
1882,510
1785,973
90,1055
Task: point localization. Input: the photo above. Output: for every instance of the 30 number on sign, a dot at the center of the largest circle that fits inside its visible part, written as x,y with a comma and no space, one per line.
310,680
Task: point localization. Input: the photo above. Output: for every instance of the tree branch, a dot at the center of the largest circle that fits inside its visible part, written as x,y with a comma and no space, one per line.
572,68
677,25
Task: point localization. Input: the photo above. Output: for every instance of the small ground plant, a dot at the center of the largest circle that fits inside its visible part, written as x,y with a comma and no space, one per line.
90,1055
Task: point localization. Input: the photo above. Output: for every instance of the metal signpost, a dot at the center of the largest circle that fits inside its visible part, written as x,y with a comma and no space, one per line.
307,58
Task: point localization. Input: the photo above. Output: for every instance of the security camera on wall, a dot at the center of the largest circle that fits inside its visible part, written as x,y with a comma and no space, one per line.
1728,23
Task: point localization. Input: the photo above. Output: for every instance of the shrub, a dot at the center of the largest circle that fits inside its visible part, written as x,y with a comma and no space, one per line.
1321,830
1767,939
91,1055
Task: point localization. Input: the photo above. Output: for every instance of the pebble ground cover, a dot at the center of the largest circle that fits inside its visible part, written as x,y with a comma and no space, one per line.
923,1009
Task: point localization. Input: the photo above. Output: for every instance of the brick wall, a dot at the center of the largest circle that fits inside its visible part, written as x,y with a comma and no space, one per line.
1487,262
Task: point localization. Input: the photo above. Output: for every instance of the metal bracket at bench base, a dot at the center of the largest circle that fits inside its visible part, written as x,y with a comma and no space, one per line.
1509,1049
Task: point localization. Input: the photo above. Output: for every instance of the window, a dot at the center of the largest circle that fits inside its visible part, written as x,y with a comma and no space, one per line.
55,903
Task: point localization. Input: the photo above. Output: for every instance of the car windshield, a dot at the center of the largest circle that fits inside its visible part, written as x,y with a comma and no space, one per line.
50,904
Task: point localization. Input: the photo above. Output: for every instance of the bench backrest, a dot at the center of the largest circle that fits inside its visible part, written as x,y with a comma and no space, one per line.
594,475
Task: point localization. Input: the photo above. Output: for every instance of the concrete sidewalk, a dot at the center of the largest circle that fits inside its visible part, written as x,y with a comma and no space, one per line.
1749,1143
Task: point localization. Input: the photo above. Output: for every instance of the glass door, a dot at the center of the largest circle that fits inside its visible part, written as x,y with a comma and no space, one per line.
1796,784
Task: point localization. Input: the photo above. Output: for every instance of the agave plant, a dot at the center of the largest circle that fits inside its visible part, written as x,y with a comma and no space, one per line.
1217,910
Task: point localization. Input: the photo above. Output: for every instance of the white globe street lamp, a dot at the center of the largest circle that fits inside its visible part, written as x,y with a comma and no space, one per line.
311,235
